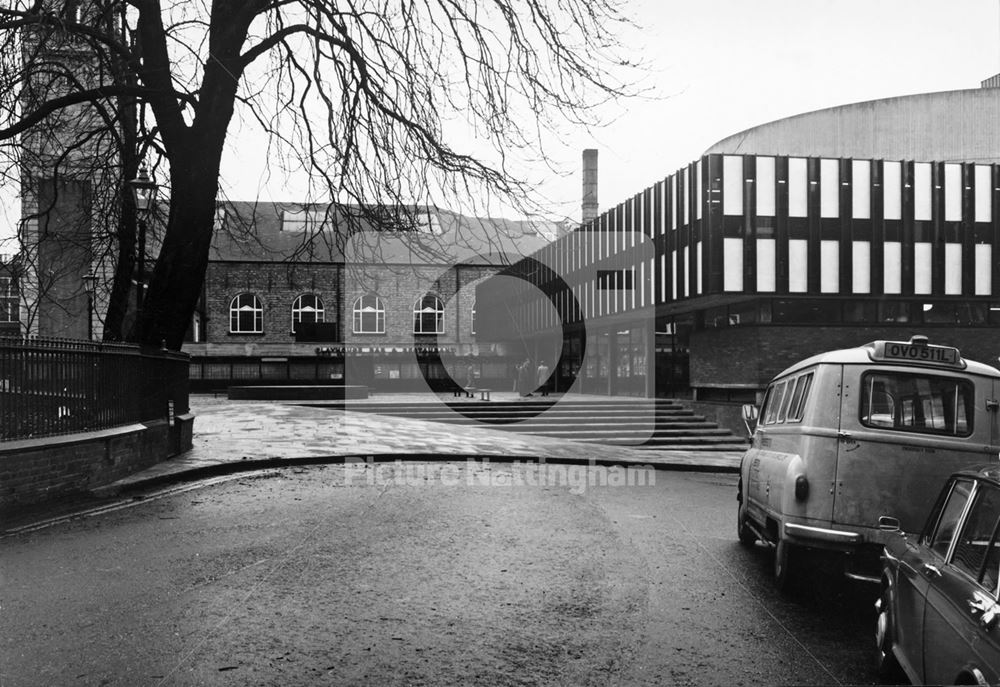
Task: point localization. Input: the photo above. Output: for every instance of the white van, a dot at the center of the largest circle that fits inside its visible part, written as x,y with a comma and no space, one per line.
846,437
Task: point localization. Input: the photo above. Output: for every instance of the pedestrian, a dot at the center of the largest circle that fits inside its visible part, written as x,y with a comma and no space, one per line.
542,378
525,378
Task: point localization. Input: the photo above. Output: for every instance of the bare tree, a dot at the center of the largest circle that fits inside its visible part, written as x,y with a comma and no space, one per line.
362,95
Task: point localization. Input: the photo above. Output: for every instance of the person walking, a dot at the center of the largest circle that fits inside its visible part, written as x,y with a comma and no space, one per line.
542,378
525,378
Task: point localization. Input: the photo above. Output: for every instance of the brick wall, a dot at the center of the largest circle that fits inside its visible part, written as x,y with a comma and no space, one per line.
277,285
44,469
400,287
753,355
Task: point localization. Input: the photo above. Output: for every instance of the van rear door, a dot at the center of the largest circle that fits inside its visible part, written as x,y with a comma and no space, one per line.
903,431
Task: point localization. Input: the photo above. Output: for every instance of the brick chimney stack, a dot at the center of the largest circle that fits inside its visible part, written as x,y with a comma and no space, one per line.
589,206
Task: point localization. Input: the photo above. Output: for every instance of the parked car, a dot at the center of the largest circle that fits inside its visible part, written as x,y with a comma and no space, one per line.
937,614
847,436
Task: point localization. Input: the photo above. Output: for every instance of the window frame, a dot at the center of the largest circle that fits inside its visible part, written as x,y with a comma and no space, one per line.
318,309
437,313
981,490
800,395
959,382
358,315
930,534
235,309
777,400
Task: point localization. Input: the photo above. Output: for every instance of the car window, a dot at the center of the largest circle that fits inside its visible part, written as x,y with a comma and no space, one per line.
944,530
991,567
977,536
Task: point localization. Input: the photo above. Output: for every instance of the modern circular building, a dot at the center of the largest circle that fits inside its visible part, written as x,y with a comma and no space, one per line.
829,229
949,126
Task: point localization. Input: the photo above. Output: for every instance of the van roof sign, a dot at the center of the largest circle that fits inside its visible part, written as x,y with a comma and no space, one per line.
916,351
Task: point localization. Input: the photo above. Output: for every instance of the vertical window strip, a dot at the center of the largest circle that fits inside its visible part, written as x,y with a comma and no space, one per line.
861,183
861,258
953,269
732,185
765,187
766,265
892,276
922,191
684,192
922,267
892,190
673,202
673,275
829,188
798,255
984,269
663,277
984,194
798,204
952,192
698,190
732,264
829,266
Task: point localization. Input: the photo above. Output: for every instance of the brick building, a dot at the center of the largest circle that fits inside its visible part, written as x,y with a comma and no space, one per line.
825,230
292,294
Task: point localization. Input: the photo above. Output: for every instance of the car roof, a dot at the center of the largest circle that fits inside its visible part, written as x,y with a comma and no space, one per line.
862,355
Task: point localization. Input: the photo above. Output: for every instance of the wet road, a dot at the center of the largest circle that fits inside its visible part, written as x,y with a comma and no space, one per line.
454,574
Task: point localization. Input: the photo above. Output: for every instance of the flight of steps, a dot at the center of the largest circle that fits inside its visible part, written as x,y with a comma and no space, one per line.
640,423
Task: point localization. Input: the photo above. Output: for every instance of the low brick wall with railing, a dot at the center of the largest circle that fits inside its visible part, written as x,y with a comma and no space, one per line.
78,414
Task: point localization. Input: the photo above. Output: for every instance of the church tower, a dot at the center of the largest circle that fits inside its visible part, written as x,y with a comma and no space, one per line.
66,161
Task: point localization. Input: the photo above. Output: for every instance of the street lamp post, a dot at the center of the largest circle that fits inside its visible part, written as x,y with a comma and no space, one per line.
144,193
90,286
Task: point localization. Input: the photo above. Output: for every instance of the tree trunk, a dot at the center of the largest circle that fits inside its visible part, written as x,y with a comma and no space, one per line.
177,278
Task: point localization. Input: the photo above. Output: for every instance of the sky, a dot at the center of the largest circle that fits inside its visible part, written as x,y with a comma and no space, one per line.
721,66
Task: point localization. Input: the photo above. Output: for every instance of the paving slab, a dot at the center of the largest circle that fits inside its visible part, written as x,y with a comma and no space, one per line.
234,435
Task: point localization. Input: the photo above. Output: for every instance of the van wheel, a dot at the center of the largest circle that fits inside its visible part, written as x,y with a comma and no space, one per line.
784,557
746,535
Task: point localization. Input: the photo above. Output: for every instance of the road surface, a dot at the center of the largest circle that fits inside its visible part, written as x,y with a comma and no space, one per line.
421,574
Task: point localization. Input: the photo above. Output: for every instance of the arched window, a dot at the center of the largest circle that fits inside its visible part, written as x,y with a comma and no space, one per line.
428,316
307,308
246,315
369,315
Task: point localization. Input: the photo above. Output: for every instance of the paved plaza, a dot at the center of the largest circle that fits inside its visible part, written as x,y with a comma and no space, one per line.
232,435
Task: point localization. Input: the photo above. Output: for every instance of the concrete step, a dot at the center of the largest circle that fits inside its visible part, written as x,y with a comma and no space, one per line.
520,422
639,423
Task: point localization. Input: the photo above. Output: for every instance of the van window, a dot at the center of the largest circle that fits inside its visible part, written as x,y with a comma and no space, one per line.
915,402
774,401
797,404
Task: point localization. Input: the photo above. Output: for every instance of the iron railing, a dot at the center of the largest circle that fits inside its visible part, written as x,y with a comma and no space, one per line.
58,386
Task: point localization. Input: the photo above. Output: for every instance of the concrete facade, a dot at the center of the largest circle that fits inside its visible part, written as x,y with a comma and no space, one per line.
821,231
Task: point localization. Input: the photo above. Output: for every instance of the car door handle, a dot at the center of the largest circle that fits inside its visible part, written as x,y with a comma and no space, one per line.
931,570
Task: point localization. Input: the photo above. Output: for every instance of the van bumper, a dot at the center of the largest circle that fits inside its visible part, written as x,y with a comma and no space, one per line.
823,534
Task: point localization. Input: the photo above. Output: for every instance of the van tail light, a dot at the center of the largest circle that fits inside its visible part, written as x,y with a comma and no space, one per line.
801,488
